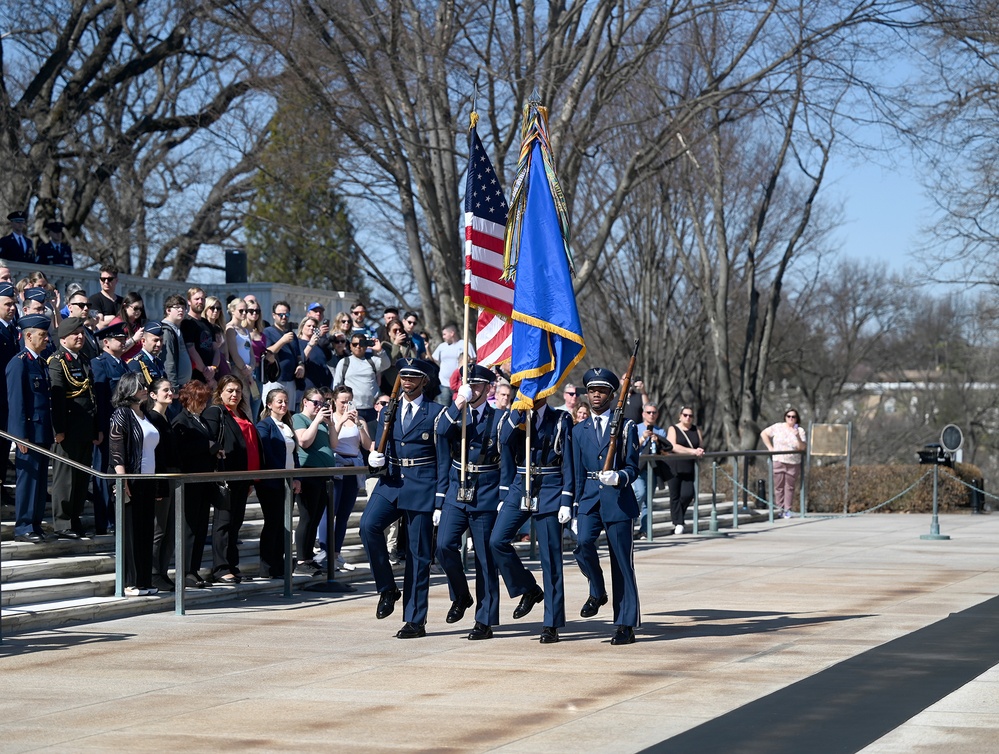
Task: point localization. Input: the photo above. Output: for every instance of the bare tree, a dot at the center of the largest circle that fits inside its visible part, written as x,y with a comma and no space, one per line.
105,111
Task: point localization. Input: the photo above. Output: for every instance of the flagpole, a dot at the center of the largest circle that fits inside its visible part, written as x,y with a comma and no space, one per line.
525,504
464,409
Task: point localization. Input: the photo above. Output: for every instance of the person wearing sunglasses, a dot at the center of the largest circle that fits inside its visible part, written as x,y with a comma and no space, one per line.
686,440
786,435
571,397
106,302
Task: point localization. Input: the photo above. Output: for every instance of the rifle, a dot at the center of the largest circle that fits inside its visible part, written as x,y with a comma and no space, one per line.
617,422
389,416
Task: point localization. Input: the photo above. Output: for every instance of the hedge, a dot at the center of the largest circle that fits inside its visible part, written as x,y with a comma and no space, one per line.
873,485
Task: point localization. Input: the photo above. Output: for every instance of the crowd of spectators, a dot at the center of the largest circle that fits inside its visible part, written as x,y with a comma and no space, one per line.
210,384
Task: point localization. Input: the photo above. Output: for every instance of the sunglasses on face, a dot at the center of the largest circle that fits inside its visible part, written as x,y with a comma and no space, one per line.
790,416
280,314
358,312
686,416
216,308
570,392
107,280
241,311
382,403
252,311
410,321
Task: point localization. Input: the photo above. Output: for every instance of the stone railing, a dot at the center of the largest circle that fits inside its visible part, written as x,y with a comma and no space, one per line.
155,291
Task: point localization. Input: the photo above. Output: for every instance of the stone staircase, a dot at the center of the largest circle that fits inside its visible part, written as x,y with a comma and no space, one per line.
52,584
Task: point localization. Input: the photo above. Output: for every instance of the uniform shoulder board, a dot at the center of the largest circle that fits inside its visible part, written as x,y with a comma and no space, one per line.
52,356
22,355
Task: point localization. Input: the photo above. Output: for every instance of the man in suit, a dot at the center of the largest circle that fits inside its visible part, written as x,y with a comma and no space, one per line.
74,424
415,483
547,499
16,246
55,250
605,501
29,417
10,344
147,361
107,368
471,505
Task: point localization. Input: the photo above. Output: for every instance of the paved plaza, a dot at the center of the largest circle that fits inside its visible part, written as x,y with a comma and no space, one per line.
801,636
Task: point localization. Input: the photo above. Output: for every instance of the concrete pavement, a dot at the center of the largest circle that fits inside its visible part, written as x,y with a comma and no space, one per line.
807,635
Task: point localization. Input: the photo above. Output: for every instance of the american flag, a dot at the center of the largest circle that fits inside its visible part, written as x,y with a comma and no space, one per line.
485,225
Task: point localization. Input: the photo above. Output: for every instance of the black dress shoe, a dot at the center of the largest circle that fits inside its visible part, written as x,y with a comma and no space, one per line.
386,603
549,635
529,600
195,581
163,583
411,631
480,631
623,635
67,534
592,606
458,608
29,537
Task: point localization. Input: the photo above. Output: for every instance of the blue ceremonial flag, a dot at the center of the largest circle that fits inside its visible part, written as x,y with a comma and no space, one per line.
547,335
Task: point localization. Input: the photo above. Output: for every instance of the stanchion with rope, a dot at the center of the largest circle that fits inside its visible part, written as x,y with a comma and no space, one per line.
713,525
935,521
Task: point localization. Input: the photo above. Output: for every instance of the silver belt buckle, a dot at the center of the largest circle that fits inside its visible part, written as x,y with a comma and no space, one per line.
529,504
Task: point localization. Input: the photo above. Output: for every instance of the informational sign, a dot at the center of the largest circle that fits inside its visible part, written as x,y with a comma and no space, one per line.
952,438
830,440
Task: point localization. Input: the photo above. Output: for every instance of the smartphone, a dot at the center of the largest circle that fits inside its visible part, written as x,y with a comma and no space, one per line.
350,405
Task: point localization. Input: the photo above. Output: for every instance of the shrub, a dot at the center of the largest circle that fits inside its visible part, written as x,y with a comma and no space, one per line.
872,485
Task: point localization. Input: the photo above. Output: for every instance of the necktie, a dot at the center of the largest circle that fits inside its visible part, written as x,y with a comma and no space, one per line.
20,241
600,427
407,418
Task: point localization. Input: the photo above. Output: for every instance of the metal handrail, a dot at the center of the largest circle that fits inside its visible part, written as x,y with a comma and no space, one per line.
177,482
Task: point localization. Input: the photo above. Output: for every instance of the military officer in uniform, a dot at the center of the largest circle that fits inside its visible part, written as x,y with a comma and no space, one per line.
55,250
108,368
415,483
74,425
605,501
472,506
29,417
10,344
550,493
16,246
147,362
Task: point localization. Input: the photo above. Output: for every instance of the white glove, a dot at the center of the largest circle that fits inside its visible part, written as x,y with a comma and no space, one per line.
437,517
608,477
575,526
465,393
564,514
376,460
499,505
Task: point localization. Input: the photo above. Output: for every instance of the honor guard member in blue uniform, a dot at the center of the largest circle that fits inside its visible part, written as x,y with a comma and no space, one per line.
16,246
415,482
473,506
55,250
74,424
30,417
551,492
605,501
147,362
108,368
10,345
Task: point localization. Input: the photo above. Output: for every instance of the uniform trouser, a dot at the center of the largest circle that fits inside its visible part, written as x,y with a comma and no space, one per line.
29,495
681,493
378,514
620,542
163,532
225,530
785,477
454,521
517,578
137,534
103,501
272,533
69,485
